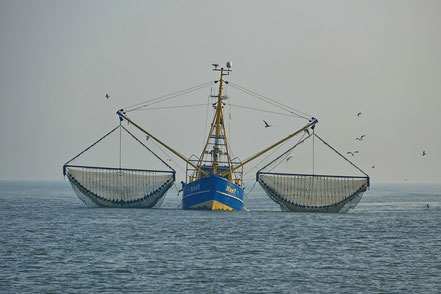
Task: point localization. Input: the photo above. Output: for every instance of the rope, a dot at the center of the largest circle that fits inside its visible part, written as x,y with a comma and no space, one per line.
159,147
272,102
265,158
262,110
206,124
165,97
246,195
147,148
99,140
301,140
341,155
120,144
169,107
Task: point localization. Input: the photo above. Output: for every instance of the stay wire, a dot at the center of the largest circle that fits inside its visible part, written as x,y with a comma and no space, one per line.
270,154
278,104
169,158
170,107
184,90
165,97
91,146
145,146
285,154
273,102
262,110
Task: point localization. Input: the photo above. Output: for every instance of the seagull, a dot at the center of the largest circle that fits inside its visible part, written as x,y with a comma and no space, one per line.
358,114
289,158
424,153
361,138
267,125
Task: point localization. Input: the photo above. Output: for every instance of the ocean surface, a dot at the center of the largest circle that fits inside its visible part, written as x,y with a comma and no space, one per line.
50,242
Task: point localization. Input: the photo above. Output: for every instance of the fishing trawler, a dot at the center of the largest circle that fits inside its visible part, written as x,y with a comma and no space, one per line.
214,180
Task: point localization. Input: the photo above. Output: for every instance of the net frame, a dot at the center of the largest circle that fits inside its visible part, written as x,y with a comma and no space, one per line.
95,198
149,192
342,203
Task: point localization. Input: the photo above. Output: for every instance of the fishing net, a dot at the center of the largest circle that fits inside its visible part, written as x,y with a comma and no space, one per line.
119,187
115,187
312,192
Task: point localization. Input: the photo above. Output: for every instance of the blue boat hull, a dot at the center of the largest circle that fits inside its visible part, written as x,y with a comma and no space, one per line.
212,193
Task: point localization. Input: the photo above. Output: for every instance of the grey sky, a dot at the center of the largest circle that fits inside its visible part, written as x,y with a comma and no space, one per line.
331,59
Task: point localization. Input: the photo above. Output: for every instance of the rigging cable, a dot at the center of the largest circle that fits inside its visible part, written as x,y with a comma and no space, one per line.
120,142
313,154
171,107
262,110
99,140
286,153
206,123
165,97
270,154
272,102
170,159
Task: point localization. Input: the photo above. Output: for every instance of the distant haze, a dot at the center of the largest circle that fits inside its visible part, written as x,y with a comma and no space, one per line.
331,59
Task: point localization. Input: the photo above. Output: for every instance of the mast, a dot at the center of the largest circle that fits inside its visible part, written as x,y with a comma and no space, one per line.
217,136
219,121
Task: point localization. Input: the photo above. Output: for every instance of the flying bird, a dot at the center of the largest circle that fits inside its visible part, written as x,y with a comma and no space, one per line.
267,125
349,152
355,152
290,157
373,166
307,131
358,114
107,96
361,138
424,153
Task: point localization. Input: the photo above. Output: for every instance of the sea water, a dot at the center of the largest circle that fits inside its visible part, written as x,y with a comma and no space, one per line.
51,243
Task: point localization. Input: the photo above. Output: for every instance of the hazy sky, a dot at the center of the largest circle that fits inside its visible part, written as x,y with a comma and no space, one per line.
331,59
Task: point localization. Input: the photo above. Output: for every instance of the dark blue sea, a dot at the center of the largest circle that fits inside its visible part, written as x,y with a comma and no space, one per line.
50,242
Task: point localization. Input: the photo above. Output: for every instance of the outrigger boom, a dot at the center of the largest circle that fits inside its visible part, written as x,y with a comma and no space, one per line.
214,180
218,118
310,125
123,116
217,128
